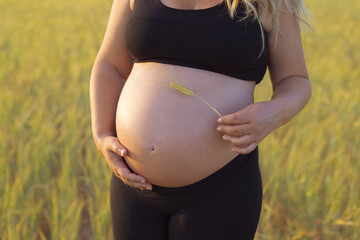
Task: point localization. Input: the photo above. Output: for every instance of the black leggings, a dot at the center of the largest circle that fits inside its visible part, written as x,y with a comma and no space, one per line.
223,206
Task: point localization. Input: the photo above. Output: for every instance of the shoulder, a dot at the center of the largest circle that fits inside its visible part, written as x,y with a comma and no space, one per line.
271,18
265,17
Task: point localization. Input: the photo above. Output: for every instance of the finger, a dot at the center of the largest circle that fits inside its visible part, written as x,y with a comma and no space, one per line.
245,150
115,155
115,146
135,184
130,178
140,186
123,170
234,130
239,141
119,167
242,116
235,118
146,186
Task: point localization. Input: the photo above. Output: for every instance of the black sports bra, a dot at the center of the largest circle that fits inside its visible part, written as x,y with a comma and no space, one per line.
206,39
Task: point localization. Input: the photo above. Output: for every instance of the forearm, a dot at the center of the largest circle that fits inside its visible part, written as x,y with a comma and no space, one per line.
290,97
106,84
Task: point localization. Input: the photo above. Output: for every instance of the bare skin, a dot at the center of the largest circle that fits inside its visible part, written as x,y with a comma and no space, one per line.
173,140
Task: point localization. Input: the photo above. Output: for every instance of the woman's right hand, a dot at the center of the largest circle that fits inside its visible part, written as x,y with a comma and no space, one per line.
113,152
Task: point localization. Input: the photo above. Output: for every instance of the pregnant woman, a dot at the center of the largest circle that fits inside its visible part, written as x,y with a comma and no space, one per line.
185,163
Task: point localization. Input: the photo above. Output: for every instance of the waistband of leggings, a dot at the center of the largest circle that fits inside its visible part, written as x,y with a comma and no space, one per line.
212,181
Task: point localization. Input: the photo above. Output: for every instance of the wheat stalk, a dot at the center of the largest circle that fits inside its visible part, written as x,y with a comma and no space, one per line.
188,92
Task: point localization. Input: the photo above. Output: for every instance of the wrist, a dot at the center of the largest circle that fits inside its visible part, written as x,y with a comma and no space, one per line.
280,112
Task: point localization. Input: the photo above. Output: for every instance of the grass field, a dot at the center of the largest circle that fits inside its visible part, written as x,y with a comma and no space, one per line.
54,184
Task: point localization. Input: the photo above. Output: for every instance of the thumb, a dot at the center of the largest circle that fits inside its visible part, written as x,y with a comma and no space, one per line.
116,147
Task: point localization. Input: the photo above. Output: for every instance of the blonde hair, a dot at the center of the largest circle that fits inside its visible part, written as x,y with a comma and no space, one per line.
296,7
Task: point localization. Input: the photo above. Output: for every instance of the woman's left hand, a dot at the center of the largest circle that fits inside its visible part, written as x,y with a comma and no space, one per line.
246,128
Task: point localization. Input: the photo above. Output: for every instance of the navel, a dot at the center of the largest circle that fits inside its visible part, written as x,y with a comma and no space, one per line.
152,147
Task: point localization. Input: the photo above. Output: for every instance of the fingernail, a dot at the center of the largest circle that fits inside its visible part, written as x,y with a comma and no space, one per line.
225,137
142,181
149,189
218,128
233,149
219,120
122,151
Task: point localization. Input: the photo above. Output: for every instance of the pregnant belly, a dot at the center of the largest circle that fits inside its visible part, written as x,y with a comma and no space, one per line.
171,138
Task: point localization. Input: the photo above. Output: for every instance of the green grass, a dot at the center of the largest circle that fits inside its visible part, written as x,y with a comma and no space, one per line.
54,184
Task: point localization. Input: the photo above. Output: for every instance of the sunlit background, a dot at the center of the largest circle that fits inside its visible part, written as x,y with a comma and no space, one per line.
55,185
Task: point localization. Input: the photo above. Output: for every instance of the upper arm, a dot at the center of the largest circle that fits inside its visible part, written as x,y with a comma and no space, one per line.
112,50
286,55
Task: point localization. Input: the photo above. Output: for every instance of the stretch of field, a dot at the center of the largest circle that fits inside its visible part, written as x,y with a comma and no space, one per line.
55,185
